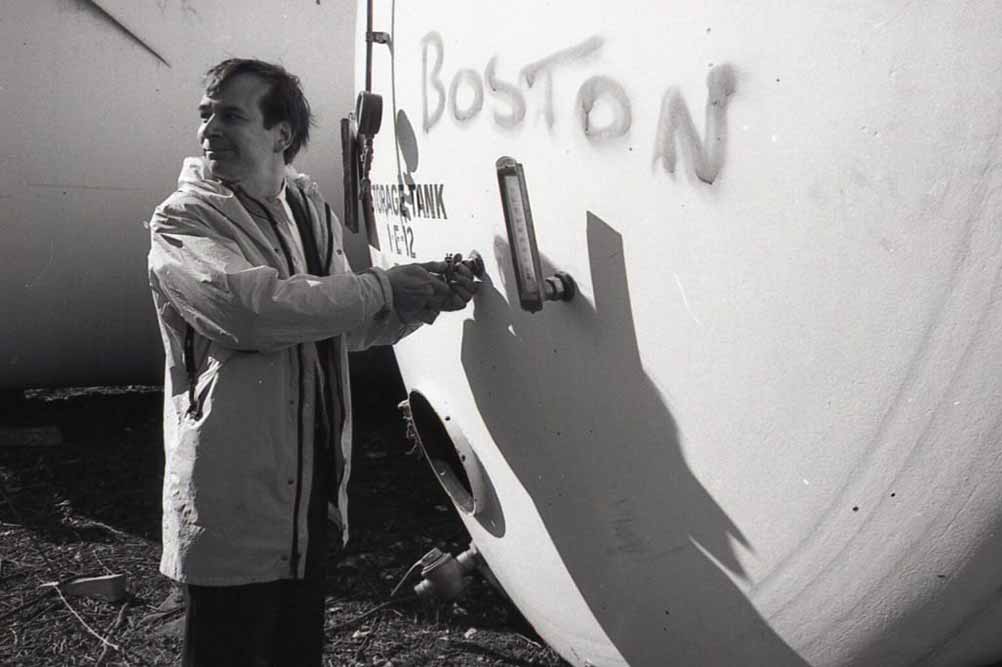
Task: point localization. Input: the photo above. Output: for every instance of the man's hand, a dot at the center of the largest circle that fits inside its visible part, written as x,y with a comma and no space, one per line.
461,282
420,292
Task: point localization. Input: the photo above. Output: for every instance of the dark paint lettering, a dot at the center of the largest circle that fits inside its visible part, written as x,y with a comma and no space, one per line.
502,88
676,130
434,40
590,92
531,71
472,81
419,191
429,197
411,201
409,238
440,201
675,124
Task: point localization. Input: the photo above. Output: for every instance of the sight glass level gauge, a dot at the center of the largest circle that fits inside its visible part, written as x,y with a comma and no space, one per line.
533,288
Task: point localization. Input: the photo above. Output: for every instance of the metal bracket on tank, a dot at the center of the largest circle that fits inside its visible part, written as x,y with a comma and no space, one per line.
357,142
357,132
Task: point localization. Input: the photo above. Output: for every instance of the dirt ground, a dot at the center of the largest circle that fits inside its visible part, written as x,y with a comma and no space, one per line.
90,505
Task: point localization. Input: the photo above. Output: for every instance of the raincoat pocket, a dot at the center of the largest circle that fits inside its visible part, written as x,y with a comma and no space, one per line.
202,376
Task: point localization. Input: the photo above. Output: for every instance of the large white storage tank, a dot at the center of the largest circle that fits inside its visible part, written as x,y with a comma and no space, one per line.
98,106
766,431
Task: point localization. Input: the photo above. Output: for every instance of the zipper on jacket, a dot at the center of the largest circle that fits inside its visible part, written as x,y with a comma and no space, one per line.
294,560
295,556
194,402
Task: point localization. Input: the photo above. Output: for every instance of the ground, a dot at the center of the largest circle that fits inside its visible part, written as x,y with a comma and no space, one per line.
90,505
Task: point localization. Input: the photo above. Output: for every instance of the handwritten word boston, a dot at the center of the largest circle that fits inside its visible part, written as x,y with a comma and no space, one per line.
675,129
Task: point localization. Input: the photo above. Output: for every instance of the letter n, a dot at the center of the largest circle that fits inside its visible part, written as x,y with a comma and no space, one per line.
675,127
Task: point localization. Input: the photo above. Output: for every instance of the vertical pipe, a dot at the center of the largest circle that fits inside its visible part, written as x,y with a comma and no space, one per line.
368,46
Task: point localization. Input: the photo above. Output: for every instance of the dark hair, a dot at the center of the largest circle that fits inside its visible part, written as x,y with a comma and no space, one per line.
284,100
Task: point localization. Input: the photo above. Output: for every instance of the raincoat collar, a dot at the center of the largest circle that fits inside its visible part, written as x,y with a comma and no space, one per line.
195,177
195,180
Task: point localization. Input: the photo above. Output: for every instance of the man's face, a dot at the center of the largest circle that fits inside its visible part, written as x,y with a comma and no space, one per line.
236,145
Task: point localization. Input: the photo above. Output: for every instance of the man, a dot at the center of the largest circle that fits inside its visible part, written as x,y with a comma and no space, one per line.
257,310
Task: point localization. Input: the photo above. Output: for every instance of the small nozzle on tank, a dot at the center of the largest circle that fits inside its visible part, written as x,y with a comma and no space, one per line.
475,263
443,576
559,287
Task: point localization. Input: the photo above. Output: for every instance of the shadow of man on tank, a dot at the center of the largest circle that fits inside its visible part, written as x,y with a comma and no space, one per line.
591,438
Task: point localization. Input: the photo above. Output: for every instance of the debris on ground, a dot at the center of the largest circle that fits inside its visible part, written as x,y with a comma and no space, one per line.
88,510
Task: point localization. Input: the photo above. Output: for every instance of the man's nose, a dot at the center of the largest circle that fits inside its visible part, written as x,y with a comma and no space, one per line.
210,127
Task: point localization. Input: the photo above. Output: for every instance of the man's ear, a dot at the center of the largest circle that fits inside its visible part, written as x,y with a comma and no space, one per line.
284,138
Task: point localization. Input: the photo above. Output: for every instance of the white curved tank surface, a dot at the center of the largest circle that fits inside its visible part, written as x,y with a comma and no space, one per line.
766,429
98,106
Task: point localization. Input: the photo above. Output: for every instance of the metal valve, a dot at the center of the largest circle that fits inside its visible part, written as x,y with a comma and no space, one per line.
559,287
475,263
443,575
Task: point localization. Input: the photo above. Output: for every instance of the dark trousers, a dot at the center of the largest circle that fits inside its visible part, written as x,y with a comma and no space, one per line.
258,625
272,624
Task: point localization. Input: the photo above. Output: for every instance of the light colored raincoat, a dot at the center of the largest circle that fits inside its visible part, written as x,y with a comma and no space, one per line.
239,440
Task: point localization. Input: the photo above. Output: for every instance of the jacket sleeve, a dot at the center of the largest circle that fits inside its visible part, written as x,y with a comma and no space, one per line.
384,329
206,278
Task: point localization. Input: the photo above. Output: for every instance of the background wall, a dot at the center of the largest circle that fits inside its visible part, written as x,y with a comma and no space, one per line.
98,109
